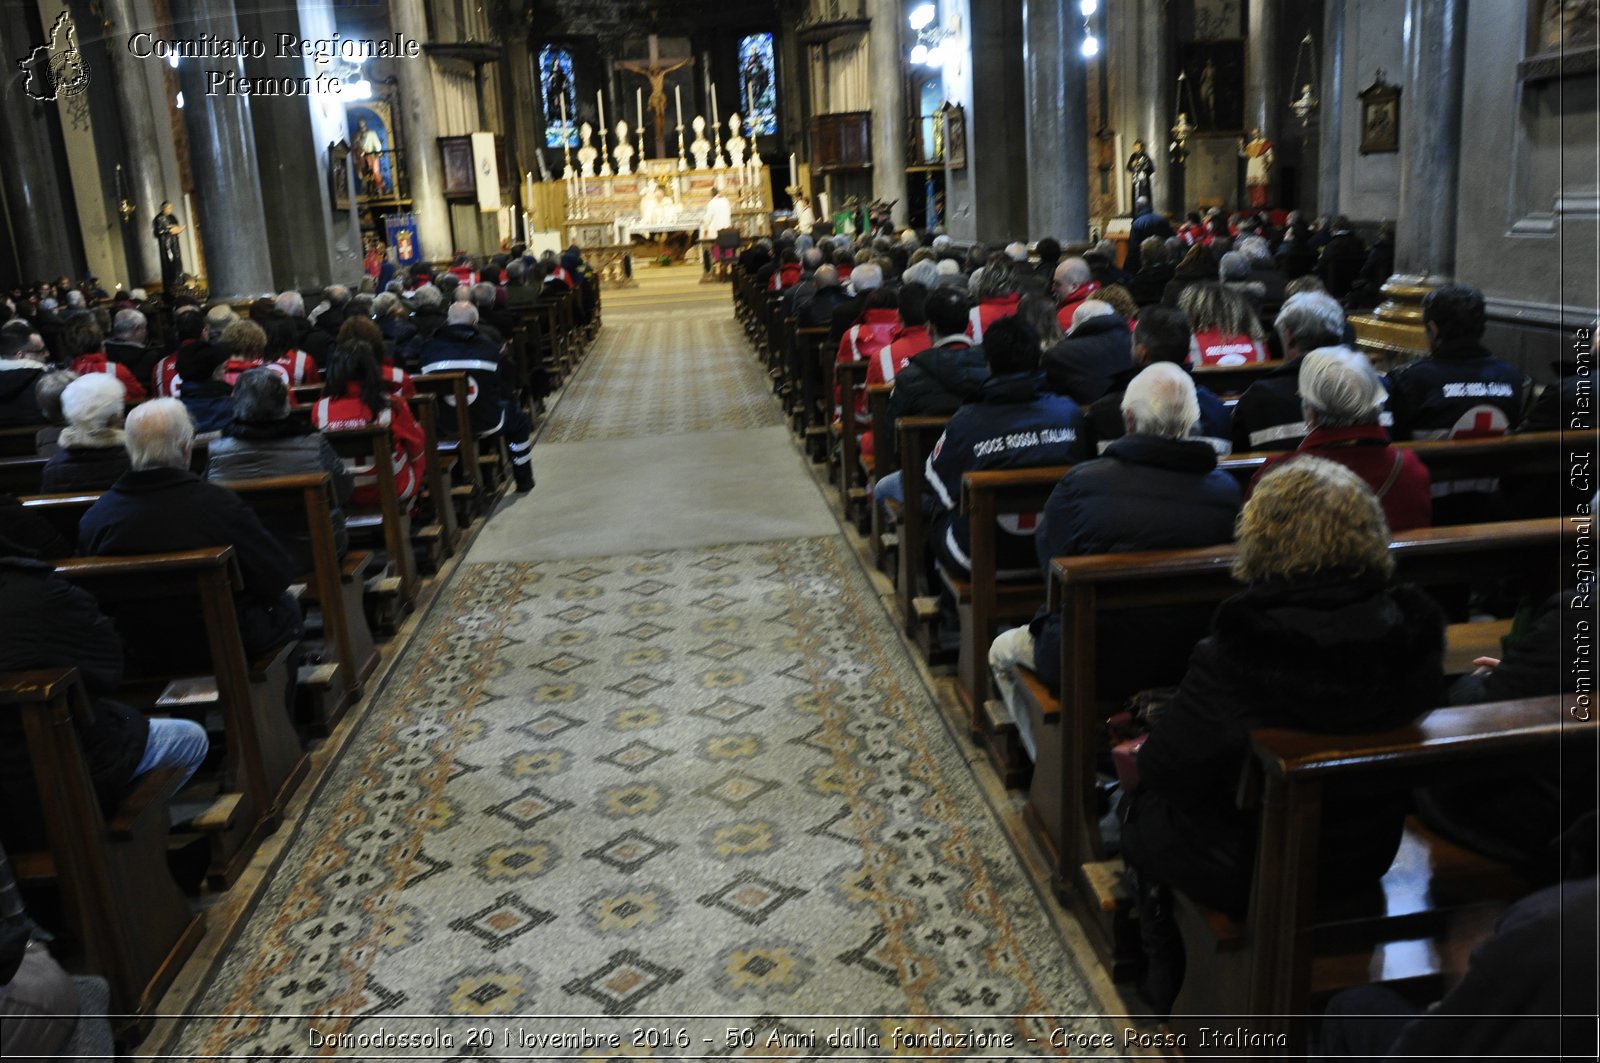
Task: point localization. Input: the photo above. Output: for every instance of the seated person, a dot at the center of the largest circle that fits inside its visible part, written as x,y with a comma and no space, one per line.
1160,335
396,379
54,624
47,393
281,353
85,351
203,367
1225,326
999,291
160,506
1319,640
129,344
1095,350
869,335
1155,488
91,455
19,374
263,441
355,395
1012,424
459,347
1268,415
1343,397
1073,283
188,329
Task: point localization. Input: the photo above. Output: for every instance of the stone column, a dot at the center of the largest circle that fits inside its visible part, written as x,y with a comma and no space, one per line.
888,63
222,154
33,182
1261,67
1330,139
1156,88
426,175
1057,137
143,119
1430,147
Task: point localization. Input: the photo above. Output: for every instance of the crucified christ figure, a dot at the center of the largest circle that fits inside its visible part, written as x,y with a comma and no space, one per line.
657,72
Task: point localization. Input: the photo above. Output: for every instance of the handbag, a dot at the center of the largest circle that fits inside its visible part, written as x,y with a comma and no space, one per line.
1130,728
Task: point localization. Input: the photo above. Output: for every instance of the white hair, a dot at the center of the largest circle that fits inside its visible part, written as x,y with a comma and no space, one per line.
1017,251
428,295
93,401
1340,388
1234,266
127,323
385,304
1256,249
947,267
218,318
1073,273
138,295
461,294
292,303
1090,308
159,434
924,273
1161,401
462,313
75,298
941,242
866,278
1309,320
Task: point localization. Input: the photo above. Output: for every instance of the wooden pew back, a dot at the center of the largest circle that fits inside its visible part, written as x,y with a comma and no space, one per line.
374,445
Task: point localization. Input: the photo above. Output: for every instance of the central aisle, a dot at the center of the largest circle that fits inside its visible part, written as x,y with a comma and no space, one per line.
659,761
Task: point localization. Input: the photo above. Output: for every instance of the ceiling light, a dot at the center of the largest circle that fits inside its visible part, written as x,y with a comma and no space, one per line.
919,53
1091,46
1088,7
922,15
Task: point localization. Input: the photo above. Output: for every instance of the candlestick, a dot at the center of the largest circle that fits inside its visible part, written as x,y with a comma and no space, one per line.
566,138
713,104
792,170
677,95
600,98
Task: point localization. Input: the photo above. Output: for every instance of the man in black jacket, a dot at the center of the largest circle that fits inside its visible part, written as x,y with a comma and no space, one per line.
1162,335
460,347
1083,365
160,506
1268,415
1155,488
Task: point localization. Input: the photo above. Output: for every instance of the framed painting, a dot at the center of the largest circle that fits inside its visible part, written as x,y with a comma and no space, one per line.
370,132
955,136
1214,75
1380,117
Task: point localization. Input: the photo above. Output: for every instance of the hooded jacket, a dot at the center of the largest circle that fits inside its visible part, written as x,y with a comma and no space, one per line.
17,378
86,461
1338,653
1084,364
257,450
936,382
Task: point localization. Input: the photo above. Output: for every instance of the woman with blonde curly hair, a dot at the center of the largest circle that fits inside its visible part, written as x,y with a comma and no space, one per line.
1319,641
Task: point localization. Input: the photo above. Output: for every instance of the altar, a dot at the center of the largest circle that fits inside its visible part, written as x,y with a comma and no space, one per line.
660,201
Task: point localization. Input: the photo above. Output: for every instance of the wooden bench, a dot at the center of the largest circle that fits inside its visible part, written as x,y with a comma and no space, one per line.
816,397
1089,592
881,461
1297,947
132,923
456,437
1232,380
444,531
919,611
195,663
855,497
18,441
389,522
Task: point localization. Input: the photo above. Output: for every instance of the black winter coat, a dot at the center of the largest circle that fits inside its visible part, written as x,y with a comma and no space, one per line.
1268,415
1458,391
290,447
1145,493
462,348
74,468
17,380
1336,654
1104,416
1083,365
52,624
936,382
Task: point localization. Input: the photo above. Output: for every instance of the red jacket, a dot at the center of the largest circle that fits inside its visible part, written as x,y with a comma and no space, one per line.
1075,299
1396,475
1211,347
988,311
786,276
99,363
870,334
906,343
297,368
398,379
332,415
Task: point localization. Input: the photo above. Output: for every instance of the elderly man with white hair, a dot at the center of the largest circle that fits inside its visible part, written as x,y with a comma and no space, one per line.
1268,416
1343,398
1155,488
159,506
863,281
1074,282
1089,358
459,347
127,344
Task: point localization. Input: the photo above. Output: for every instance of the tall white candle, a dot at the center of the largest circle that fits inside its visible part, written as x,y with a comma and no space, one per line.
714,120
600,97
638,99
677,95
750,92
792,170
563,118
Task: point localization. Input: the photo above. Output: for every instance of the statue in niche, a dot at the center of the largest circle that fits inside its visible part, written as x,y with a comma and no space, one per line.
701,147
736,143
623,151
1257,153
1141,168
587,152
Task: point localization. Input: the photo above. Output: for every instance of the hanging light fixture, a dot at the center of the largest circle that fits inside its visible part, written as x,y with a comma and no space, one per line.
1305,105
1178,150
1091,44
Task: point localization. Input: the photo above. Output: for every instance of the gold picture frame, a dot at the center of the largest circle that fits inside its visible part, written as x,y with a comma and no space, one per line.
1380,117
955,135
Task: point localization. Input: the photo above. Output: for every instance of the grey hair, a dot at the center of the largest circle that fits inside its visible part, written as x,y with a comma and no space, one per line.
1017,251
483,295
1256,249
825,276
385,304
292,303
1152,249
75,299
396,286
126,323
1090,308
1073,272
260,394
338,294
159,434
1340,387
1309,320
924,273
1161,402
428,295
218,318
47,392
941,242
1106,249
93,401
811,259
1234,266
866,278
462,314
515,271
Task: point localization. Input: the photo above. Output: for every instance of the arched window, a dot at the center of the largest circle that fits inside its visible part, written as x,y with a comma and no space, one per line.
760,85
555,85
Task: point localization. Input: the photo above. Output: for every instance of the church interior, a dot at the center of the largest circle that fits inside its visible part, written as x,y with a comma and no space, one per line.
798,529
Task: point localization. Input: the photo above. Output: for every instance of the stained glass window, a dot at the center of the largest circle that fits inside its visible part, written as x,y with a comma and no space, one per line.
756,72
557,84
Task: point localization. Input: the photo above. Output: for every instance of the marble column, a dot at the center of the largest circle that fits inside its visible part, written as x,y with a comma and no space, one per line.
144,124
1156,90
888,64
426,174
1330,138
33,183
1430,147
222,154
1261,68
1057,138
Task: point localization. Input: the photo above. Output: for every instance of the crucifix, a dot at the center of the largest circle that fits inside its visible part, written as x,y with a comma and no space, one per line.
657,72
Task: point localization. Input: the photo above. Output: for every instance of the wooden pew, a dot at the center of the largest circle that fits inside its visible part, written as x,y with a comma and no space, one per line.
20,476
880,462
456,437
918,610
389,521
854,496
816,398
1227,380
1297,947
1088,591
17,441
303,504
263,762
436,476
133,924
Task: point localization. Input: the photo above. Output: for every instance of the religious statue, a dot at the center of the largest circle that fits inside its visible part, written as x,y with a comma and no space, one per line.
166,230
1257,153
700,147
1178,150
735,142
623,151
587,153
655,71
1141,168
369,155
